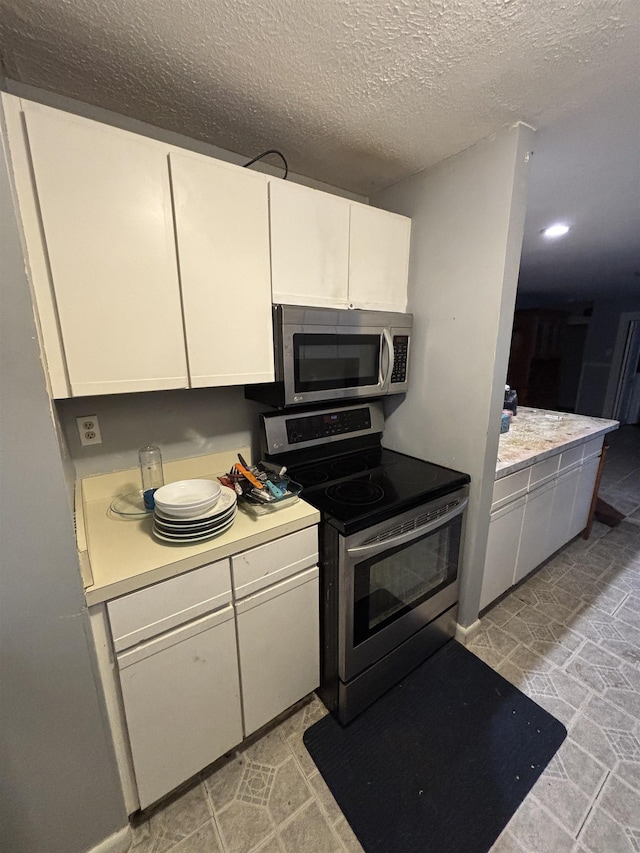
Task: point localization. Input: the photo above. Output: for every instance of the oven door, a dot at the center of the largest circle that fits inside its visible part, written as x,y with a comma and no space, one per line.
395,578
333,363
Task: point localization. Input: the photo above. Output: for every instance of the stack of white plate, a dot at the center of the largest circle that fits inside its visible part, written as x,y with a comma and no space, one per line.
193,510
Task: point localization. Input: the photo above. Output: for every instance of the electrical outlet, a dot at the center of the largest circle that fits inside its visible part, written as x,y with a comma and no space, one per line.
89,430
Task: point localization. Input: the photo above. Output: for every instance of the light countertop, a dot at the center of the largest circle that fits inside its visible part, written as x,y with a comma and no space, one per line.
120,555
536,434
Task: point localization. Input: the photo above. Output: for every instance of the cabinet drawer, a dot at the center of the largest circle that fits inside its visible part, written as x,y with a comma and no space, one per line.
274,561
571,457
151,611
544,471
509,488
592,448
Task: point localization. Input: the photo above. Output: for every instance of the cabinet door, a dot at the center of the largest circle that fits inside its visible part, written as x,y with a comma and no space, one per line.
533,548
502,551
309,246
562,512
279,646
378,259
222,227
181,697
105,203
584,493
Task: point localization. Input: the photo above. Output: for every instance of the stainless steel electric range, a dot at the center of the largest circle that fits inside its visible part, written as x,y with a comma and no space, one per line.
390,542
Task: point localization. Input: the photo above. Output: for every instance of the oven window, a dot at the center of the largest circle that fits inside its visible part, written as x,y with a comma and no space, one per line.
391,584
323,362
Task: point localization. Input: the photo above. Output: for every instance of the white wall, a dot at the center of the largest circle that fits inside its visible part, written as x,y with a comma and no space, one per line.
182,423
467,224
59,788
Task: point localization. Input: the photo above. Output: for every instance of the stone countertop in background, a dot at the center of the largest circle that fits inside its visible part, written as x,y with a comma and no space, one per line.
536,433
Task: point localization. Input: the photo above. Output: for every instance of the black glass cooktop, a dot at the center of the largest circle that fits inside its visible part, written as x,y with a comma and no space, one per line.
358,489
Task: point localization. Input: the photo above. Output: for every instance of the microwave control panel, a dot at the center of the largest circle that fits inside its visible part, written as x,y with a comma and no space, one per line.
400,352
309,427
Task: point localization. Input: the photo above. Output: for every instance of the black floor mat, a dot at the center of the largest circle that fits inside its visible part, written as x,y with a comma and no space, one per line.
441,762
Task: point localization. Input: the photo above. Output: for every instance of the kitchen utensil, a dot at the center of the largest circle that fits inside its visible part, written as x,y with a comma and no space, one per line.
278,470
275,491
250,477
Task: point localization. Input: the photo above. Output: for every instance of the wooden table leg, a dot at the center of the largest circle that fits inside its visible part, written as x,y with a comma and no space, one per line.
594,497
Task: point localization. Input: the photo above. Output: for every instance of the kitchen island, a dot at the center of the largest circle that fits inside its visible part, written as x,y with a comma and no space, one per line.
536,434
546,471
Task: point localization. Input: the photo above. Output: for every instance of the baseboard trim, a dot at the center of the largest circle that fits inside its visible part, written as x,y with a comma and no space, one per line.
119,842
465,635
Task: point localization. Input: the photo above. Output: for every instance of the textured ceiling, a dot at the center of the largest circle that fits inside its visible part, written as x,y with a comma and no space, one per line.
356,93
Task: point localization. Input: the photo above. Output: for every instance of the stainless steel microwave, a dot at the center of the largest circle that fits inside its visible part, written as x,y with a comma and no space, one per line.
324,354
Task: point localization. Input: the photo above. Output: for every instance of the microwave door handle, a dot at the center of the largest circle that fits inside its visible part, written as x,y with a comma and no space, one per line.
369,550
386,340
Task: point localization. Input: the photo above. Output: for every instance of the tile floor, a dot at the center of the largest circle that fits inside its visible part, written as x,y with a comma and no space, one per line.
569,638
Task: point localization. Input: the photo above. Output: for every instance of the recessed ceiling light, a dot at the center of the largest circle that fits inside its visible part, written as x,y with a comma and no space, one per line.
557,230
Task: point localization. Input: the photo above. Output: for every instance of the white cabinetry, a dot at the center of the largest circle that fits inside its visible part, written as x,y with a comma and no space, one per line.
119,308
180,687
332,252
378,259
564,495
584,492
535,511
182,702
105,203
534,541
278,625
222,228
309,246
502,544
202,663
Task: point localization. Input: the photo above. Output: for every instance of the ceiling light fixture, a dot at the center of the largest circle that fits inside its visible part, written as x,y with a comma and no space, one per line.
557,230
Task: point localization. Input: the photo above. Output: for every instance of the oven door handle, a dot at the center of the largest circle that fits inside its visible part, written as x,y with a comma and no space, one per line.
386,342
410,535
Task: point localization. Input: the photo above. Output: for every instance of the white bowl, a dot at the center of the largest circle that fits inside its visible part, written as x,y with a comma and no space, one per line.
187,497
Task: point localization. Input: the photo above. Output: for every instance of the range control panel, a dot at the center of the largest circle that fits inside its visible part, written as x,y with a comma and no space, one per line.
400,352
326,424
285,431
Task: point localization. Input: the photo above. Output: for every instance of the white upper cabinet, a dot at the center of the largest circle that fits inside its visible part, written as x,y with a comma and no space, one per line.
378,259
222,227
329,251
309,246
105,203
150,265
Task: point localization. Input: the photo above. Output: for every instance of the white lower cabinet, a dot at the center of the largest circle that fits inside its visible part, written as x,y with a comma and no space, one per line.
584,493
534,548
564,496
502,546
534,512
276,597
278,642
181,695
203,661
